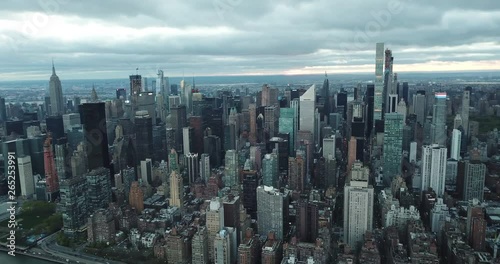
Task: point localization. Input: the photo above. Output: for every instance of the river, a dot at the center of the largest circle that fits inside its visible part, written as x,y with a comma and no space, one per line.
20,259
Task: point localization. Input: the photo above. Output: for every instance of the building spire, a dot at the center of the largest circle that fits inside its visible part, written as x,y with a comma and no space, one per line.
93,96
326,75
53,68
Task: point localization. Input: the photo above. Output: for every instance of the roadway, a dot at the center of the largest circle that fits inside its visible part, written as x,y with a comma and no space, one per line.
49,246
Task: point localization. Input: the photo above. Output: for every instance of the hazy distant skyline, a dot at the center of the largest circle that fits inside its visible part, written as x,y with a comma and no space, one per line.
110,39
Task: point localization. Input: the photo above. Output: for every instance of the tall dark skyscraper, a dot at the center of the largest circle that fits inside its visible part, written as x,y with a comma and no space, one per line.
325,93
342,101
369,101
144,136
3,110
403,93
14,127
93,120
121,92
178,121
55,126
135,84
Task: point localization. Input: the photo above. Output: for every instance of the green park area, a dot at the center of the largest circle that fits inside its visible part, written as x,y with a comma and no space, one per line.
487,123
37,219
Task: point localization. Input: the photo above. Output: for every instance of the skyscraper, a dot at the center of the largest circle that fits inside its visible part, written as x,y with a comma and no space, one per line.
307,109
434,168
465,110
456,141
329,147
393,146
419,107
270,170
438,127
388,79
163,88
287,125
55,126
51,179
200,246
55,92
74,207
325,93
476,226
146,102
98,188
272,211
379,82
62,160
26,176
307,221
392,105
3,110
474,173
225,247
215,222
144,135
147,171
187,139
136,197
178,121
192,164
93,119
296,173
231,168
402,109
205,168
176,190
358,205
135,85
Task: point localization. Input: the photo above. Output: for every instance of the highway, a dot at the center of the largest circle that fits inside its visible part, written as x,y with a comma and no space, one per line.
49,246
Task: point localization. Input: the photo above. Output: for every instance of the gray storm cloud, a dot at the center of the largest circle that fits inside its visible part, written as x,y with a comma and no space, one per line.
240,36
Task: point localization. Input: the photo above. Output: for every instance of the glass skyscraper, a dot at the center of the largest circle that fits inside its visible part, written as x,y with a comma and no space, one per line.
393,146
438,127
287,125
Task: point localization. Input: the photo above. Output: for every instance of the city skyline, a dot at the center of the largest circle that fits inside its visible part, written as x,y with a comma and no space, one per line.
221,37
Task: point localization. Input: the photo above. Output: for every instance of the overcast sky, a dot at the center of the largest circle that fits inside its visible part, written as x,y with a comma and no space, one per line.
111,38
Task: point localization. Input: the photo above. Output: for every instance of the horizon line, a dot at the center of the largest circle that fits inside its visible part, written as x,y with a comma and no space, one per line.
281,74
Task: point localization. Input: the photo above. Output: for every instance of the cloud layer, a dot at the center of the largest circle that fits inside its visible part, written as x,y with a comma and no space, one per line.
109,39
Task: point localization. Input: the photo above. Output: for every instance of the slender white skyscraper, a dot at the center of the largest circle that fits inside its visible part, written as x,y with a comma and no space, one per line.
163,88
55,92
186,139
379,81
358,205
307,110
456,141
413,151
26,176
434,168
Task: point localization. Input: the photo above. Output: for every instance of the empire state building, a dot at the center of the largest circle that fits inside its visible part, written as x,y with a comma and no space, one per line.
56,97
